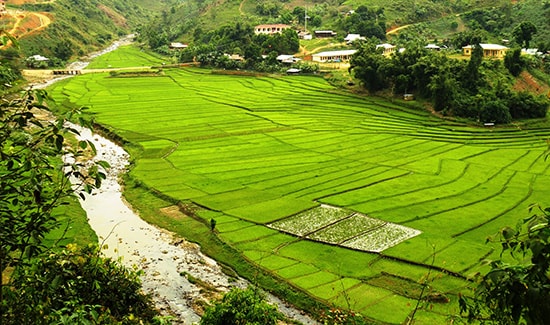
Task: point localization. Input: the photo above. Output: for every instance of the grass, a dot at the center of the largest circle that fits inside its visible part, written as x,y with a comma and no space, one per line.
256,151
127,56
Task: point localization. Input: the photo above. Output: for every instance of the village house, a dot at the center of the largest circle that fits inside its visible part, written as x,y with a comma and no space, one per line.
432,47
287,59
350,38
387,49
324,33
270,29
304,35
3,9
177,46
333,56
489,50
235,57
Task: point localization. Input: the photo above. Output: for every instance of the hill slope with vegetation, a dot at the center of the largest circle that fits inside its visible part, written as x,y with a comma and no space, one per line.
73,28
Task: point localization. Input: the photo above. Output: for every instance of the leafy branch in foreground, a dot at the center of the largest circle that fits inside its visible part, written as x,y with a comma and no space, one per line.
34,182
516,292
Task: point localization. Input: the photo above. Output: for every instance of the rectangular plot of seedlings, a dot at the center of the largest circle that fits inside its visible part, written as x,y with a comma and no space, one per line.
308,221
381,238
346,229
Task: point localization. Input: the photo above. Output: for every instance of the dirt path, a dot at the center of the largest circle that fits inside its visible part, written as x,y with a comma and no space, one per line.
20,17
241,7
395,30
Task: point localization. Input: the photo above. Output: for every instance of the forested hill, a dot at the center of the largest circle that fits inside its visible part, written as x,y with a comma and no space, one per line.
65,29
430,19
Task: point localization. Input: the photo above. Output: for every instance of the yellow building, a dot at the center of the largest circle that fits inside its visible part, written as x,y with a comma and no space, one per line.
489,50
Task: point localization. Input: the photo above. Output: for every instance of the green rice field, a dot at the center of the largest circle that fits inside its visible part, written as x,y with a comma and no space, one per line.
317,186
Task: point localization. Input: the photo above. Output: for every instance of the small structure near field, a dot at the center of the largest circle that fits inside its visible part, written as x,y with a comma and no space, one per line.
333,56
287,58
305,35
293,71
177,46
66,72
3,9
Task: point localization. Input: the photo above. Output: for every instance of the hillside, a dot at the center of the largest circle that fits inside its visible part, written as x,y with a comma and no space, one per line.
65,29
433,19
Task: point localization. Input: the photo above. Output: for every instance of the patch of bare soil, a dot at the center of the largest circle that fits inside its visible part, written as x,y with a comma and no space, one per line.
526,82
117,18
173,212
22,2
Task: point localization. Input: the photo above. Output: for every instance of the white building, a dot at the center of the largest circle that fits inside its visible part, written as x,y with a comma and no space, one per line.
350,38
287,58
270,29
388,49
177,46
335,56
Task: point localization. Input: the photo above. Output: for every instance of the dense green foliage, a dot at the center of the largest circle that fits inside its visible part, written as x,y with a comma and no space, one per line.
32,183
524,24
366,22
76,286
241,306
454,86
516,291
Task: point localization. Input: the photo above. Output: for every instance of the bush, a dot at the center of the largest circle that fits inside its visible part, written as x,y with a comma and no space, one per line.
525,105
240,306
76,286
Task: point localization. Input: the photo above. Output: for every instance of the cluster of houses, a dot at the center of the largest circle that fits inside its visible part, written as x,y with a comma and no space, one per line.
489,50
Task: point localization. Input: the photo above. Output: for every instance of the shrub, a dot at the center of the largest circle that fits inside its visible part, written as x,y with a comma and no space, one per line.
240,306
77,286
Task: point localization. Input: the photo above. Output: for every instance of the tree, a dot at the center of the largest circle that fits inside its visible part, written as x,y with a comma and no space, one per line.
368,66
471,78
241,306
77,286
63,50
518,291
367,22
443,88
524,32
513,62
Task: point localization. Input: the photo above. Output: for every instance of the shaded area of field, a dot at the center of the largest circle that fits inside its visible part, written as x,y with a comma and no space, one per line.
257,150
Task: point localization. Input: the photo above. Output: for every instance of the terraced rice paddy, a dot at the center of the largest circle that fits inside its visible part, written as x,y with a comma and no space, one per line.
264,155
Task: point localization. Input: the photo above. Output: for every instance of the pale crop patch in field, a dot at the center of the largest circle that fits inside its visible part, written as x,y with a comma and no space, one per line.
343,227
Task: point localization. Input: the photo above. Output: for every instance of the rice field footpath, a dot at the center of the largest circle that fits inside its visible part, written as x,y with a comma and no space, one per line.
356,201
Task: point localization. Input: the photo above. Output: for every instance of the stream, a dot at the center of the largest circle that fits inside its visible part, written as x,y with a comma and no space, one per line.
164,258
